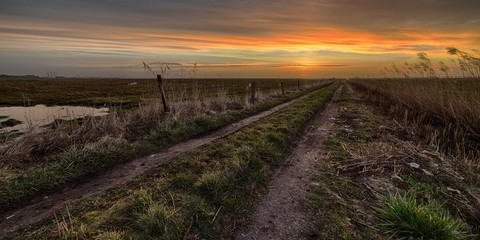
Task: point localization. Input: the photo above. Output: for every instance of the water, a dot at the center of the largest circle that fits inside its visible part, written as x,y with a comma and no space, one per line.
40,115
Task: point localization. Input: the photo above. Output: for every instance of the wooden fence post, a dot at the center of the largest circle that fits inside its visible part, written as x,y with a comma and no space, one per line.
298,85
162,92
252,92
283,88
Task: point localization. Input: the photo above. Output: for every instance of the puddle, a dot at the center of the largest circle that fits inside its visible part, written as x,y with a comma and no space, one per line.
41,115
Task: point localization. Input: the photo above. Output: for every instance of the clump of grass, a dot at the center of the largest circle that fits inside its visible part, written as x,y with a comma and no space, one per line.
160,221
406,218
67,229
9,123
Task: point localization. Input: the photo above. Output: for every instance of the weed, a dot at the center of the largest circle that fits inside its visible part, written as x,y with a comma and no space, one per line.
406,218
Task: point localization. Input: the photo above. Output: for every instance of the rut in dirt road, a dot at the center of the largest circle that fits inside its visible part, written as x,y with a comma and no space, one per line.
279,214
43,208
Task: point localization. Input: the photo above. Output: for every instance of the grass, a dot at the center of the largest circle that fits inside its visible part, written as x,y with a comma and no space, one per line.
367,159
201,194
447,109
9,123
406,218
86,160
118,92
334,201
136,123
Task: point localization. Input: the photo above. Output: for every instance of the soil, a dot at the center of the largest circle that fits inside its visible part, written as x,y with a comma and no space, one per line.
43,208
279,213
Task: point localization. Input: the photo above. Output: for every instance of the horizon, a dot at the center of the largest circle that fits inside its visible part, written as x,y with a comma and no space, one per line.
230,39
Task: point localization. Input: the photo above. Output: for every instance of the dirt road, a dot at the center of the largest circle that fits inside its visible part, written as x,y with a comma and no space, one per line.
279,214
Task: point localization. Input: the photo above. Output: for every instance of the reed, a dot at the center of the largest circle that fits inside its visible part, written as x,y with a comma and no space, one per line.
466,65
447,109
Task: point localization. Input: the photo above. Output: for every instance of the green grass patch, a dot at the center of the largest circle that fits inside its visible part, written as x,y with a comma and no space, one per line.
404,217
76,163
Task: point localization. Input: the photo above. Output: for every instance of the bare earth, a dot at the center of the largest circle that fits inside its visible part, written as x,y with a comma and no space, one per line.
43,208
279,213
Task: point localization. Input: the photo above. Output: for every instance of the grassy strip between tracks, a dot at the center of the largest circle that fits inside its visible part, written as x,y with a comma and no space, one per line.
203,194
20,186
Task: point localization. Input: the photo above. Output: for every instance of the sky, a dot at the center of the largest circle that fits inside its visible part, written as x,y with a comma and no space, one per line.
243,38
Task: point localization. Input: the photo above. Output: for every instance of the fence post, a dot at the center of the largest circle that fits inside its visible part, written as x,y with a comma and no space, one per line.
298,85
252,86
162,92
283,88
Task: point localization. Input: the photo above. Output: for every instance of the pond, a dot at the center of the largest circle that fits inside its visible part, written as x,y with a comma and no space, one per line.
41,115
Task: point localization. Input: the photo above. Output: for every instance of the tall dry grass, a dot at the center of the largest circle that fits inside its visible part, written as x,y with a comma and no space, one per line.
464,65
448,110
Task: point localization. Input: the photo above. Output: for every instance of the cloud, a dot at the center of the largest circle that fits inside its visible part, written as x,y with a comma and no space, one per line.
251,18
235,34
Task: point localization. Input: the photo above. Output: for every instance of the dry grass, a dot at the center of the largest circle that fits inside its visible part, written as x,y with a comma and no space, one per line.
185,102
392,163
131,124
449,110
373,156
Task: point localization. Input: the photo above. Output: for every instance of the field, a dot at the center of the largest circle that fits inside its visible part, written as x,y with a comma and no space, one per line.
75,149
125,92
356,159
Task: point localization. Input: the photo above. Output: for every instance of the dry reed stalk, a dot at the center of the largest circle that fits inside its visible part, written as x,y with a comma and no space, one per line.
452,110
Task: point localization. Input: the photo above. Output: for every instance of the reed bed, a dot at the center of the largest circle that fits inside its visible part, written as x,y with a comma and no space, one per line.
447,109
